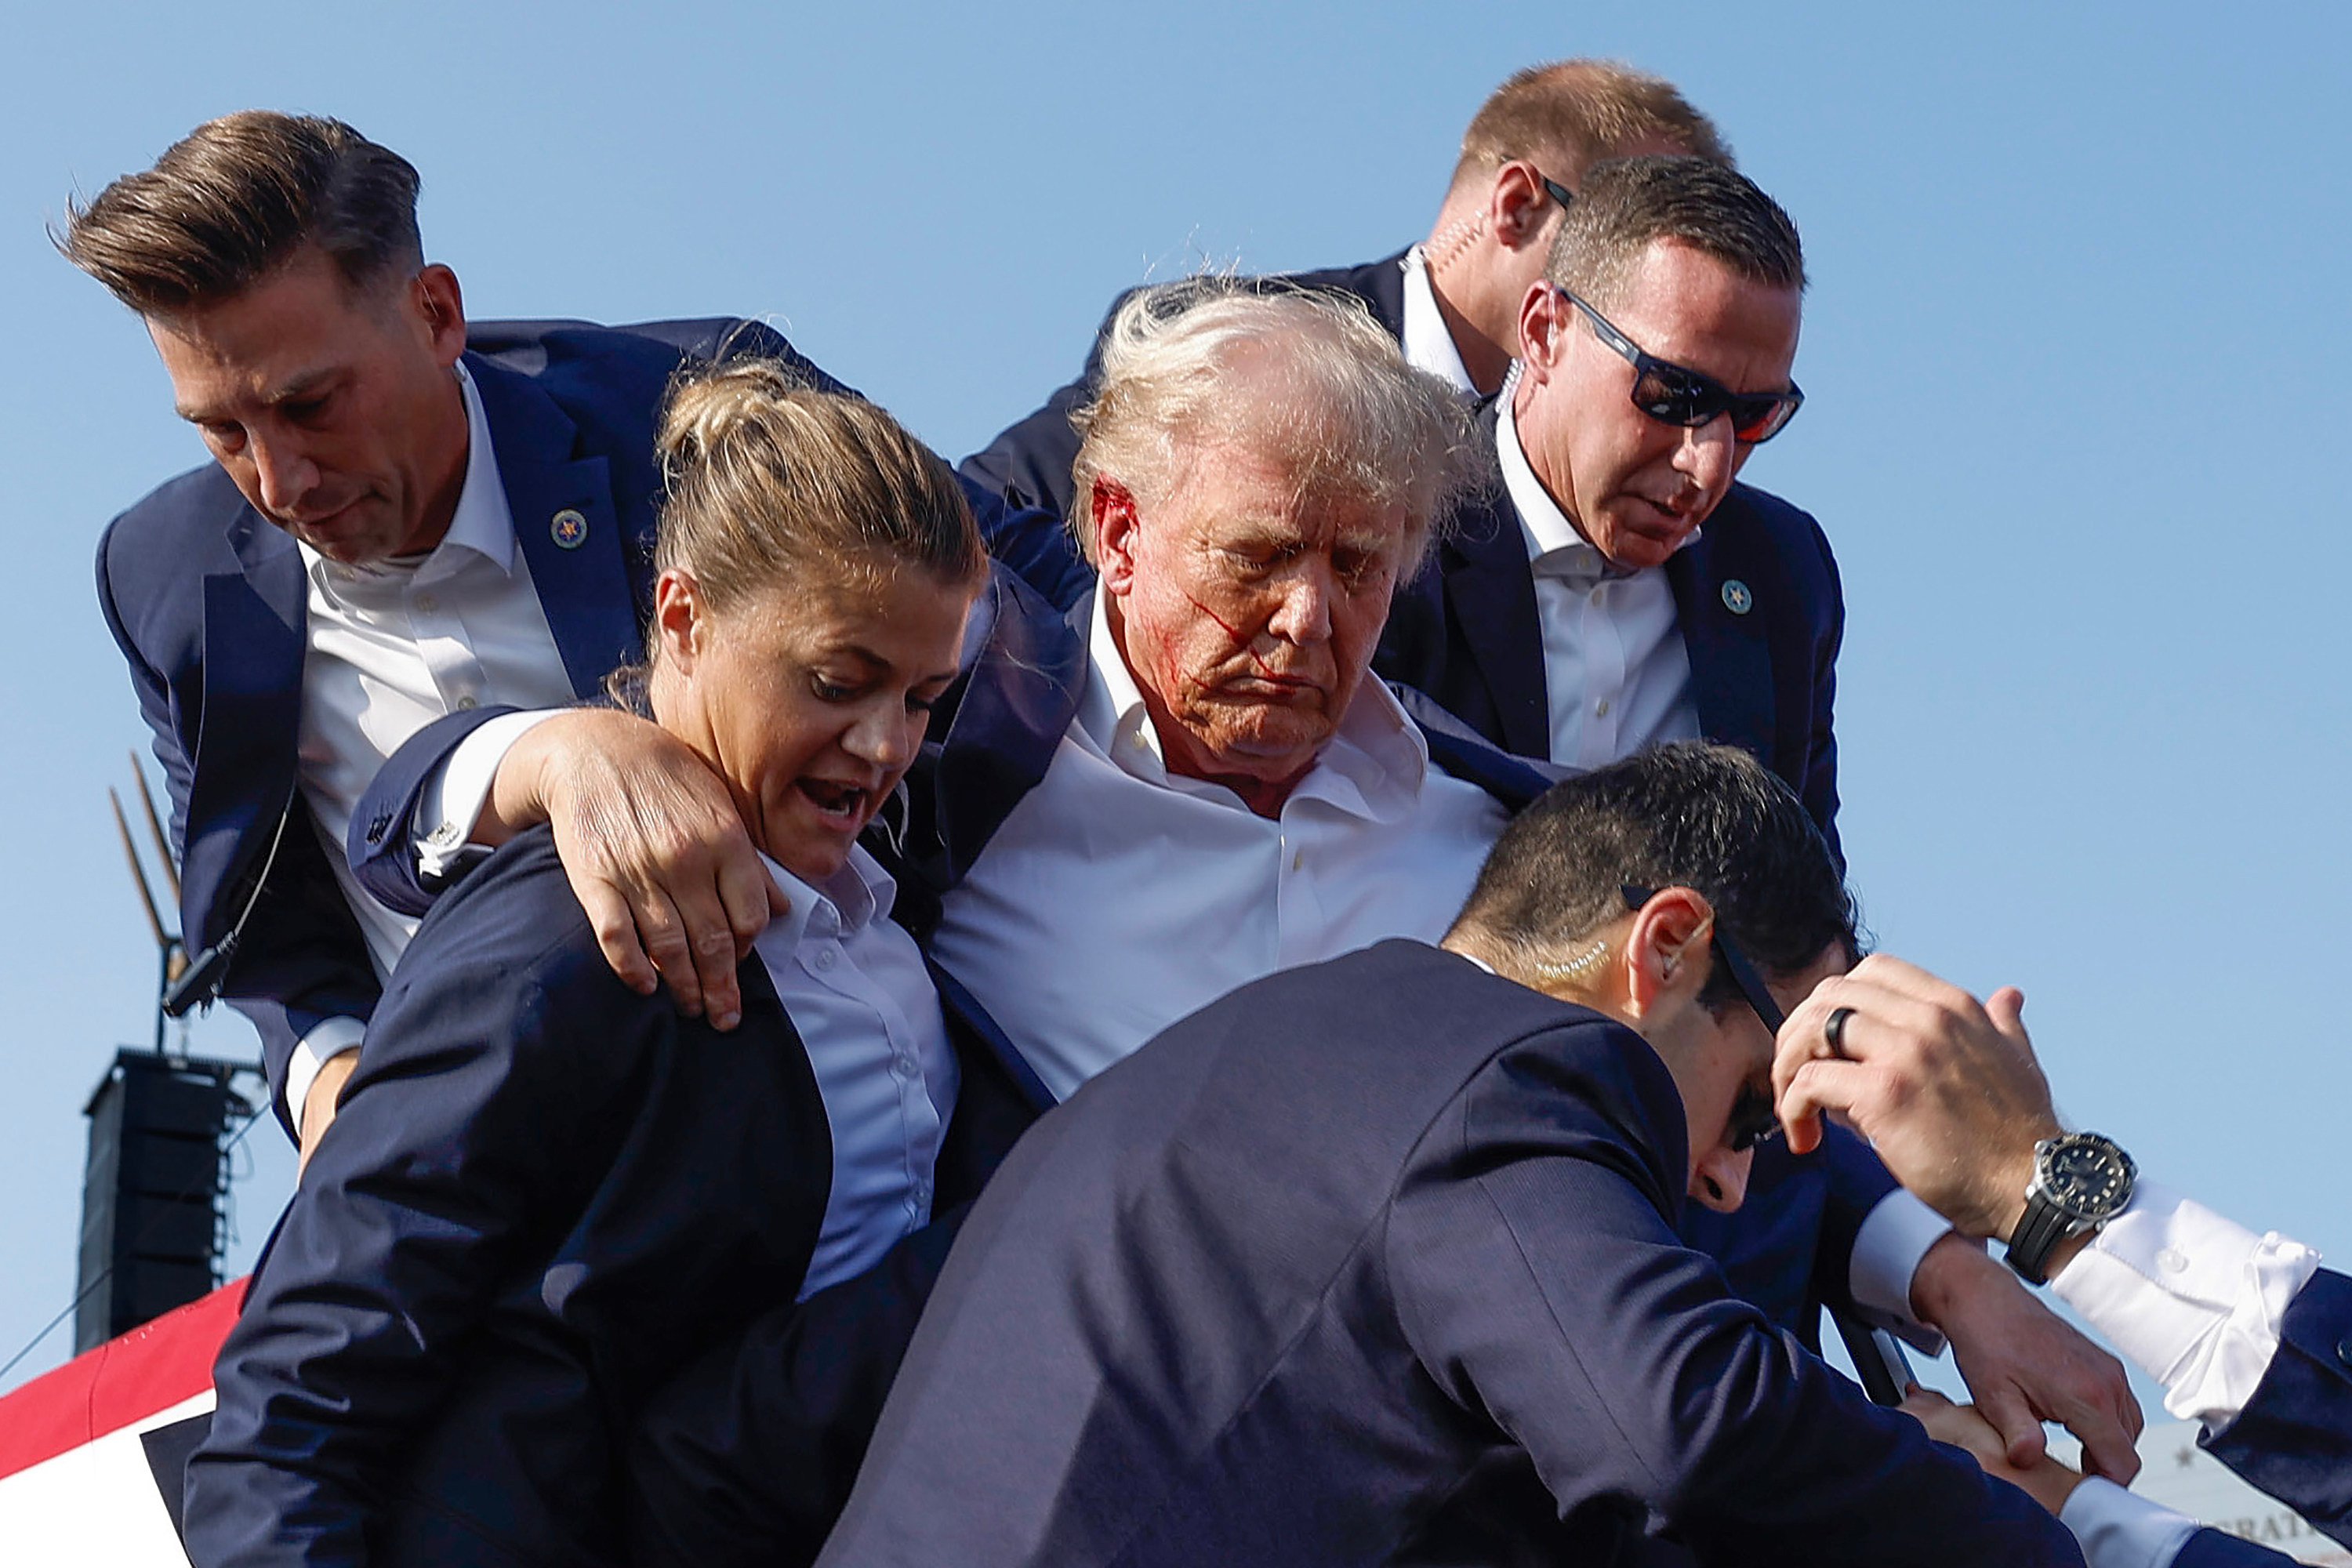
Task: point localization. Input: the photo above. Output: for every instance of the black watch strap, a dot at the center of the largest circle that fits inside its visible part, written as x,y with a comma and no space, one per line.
2038,1234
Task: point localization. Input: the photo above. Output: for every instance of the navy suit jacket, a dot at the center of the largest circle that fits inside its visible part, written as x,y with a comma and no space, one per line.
2294,1440
1029,461
993,736
543,1195
1789,1249
1757,600
1299,1279
207,600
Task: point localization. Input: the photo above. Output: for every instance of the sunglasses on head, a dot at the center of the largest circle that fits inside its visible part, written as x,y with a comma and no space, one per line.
1676,394
1753,1119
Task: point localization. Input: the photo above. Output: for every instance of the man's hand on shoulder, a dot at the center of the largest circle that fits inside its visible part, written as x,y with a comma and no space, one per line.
654,846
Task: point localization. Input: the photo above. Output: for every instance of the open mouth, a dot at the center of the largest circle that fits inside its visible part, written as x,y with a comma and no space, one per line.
843,805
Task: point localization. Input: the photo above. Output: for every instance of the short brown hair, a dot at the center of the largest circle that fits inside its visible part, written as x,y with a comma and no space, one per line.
1685,814
1583,112
233,199
770,480
1627,205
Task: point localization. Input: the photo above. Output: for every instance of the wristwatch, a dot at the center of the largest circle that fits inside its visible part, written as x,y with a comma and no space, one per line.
2081,1181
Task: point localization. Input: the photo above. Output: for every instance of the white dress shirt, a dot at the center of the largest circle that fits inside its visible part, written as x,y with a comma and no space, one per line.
1118,896
1615,671
1427,343
2196,1300
866,1013
2193,1299
395,645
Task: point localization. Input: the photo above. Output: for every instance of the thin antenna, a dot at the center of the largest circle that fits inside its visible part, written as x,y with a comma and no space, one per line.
155,826
171,952
138,872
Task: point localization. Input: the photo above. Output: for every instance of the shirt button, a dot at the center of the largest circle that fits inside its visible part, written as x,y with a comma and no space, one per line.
826,957
427,603
2344,1352
2171,1261
468,704
1600,594
1297,859
1601,709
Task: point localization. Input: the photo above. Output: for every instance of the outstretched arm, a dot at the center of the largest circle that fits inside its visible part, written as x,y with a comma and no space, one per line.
1538,1282
650,839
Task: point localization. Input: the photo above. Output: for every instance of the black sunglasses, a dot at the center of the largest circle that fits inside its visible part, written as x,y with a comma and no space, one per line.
1753,1119
1557,190
1676,394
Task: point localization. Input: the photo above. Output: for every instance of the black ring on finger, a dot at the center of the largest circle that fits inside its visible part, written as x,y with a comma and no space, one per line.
1834,1031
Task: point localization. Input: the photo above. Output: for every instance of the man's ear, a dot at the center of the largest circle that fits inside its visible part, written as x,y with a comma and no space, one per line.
1543,330
1665,951
679,619
1518,209
1110,513
440,305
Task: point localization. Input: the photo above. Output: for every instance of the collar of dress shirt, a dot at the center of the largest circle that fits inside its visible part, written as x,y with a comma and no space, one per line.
483,524
1374,766
1428,344
1554,546
842,905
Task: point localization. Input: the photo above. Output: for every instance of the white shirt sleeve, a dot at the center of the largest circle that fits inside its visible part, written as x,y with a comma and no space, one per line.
1894,1238
2117,1529
451,800
331,1039
2190,1296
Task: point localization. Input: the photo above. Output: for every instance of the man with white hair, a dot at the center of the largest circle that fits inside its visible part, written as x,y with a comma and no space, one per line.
1453,301
1186,781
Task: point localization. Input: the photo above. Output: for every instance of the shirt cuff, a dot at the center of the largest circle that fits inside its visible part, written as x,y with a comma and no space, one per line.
2117,1529
450,802
1894,1238
2193,1298
331,1038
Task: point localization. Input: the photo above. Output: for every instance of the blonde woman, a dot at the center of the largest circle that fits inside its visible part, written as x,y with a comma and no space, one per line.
544,1190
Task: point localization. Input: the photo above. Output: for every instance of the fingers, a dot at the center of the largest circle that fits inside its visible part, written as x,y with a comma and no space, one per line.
713,945
2107,1418
669,944
615,926
749,896
1922,1402
1820,1086
2021,1437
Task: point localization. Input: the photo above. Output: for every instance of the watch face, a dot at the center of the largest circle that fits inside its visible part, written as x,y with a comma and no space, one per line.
2086,1178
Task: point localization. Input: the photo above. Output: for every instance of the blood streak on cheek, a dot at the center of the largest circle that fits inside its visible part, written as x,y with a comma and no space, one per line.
1234,633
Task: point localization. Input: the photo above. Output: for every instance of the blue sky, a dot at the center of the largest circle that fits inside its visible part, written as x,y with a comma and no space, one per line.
2075,357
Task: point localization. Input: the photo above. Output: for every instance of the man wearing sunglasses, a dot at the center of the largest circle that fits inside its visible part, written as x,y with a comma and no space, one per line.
1610,586
1452,301
1210,1312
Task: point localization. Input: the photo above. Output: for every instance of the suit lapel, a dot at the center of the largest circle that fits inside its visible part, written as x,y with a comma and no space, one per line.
255,623
1381,287
1490,596
1730,660
1017,701
564,520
